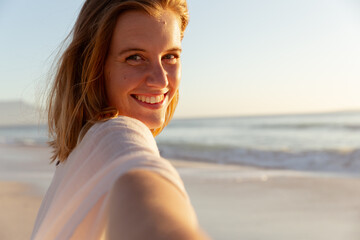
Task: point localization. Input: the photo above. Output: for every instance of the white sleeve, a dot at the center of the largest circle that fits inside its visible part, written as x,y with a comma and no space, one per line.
107,151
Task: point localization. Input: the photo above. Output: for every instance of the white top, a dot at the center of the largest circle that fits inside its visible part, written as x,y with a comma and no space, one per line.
74,206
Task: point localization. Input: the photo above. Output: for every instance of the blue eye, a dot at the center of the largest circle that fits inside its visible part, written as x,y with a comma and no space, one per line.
135,60
134,57
171,58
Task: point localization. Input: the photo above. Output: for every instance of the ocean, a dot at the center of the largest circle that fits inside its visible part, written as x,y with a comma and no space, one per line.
310,142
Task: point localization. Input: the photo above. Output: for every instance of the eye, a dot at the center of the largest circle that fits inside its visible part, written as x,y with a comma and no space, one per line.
134,59
171,58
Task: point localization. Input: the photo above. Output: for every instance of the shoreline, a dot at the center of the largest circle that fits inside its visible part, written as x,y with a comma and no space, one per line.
233,202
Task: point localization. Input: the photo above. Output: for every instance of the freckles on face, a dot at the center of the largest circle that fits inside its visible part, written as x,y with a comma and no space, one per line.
143,65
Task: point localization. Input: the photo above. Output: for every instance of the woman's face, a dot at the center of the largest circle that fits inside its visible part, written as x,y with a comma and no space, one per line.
142,69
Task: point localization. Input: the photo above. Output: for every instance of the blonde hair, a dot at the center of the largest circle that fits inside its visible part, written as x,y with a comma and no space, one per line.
77,98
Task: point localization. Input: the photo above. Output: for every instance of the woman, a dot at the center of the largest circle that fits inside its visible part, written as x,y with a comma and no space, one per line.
116,87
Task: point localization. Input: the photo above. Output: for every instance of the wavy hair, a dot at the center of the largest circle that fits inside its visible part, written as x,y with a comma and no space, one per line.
77,98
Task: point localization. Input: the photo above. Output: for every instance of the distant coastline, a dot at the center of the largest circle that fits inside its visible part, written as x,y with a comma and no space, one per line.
18,112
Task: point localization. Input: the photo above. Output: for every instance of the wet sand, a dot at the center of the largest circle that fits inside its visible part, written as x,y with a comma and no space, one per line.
235,203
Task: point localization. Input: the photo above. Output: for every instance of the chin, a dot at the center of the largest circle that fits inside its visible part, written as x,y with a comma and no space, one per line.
152,122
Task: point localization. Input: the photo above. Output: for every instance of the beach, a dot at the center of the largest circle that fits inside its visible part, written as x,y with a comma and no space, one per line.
18,205
232,201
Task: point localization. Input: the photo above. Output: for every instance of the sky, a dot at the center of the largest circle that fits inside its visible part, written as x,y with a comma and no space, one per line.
239,57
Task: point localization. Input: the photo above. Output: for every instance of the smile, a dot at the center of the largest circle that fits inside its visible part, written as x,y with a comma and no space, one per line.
150,99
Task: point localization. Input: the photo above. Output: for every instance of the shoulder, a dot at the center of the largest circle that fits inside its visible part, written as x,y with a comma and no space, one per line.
122,132
120,124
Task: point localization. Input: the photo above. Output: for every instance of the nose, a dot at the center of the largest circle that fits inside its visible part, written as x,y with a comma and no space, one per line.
157,76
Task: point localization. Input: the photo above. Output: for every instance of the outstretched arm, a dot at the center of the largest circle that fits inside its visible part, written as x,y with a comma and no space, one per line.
144,205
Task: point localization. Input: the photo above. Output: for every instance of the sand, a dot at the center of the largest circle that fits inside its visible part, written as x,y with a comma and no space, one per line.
235,202
18,208
232,203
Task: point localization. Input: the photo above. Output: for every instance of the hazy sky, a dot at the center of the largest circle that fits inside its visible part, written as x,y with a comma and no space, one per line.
239,57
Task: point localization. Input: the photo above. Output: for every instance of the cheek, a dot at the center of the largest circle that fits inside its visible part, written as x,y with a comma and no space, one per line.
114,85
119,82
175,77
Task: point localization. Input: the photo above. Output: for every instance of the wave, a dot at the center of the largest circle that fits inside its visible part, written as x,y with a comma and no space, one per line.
24,135
309,126
29,142
331,160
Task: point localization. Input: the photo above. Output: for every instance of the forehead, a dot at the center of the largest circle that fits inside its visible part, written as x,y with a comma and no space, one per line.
139,27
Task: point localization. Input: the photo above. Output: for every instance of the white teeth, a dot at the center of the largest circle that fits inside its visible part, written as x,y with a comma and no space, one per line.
151,100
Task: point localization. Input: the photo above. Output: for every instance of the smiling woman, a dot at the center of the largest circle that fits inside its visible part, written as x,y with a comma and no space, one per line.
142,69
111,45
115,88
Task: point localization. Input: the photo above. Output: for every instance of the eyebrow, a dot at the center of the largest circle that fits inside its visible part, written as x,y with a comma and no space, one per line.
174,49
131,50
143,50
